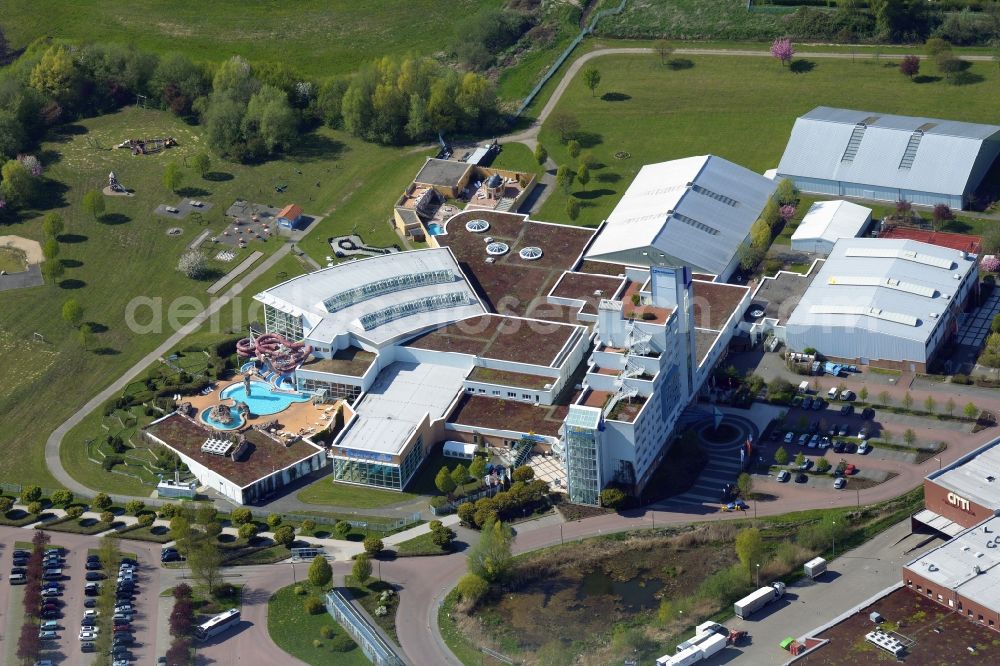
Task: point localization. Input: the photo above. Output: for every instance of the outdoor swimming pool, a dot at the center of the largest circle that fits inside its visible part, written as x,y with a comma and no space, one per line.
261,400
435,229
206,418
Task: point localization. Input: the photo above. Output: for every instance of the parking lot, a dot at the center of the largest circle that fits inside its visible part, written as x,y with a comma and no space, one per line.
65,649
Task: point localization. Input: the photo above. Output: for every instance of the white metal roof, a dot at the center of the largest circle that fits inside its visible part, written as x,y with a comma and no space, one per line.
698,210
309,296
402,395
938,522
967,564
891,286
831,221
905,152
976,476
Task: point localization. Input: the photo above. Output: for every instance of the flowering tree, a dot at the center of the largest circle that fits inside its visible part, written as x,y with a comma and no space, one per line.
783,50
787,212
193,264
910,66
990,264
31,164
942,214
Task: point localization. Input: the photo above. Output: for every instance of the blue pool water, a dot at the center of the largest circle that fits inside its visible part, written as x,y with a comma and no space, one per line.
208,420
261,400
435,229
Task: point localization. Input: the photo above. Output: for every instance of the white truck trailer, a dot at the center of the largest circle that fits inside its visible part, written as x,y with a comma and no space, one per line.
815,567
754,601
709,644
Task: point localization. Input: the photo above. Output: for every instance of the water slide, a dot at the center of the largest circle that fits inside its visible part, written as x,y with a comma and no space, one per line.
282,354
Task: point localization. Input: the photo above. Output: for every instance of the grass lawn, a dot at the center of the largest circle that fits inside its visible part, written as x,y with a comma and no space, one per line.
423,482
419,546
18,518
264,555
517,157
369,596
80,526
156,534
121,553
709,109
45,381
326,491
11,260
293,630
317,37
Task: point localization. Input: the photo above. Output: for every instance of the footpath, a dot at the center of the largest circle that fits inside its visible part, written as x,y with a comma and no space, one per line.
338,549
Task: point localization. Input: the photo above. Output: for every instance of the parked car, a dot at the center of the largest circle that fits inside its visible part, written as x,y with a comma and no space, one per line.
863,433
847,410
839,447
839,483
21,553
51,614
825,442
123,639
789,437
122,616
90,603
87,646
842,431
814,427
783,476
818,404
91,612
850,448
803,439
93,566
864,448
868,413
832,430
850,470
17,579
738,505
52,592
94,575
814,441
807,402
848,396
49,625
90,635
801,478
48,635
806,464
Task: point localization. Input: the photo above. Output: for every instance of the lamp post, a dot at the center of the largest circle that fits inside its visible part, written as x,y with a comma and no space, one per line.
758,575
293,572
833,535
561,542
939,463
858,491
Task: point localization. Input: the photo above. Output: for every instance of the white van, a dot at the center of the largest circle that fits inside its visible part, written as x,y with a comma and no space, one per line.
832,393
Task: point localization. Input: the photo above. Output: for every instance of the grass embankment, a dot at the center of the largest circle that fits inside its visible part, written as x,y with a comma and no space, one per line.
708,108
299,634
419,546
325,491
370,596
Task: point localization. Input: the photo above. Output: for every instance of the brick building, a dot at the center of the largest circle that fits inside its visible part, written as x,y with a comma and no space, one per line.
963,494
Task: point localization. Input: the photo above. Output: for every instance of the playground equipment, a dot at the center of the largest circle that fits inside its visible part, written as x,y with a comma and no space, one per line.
113,183
148,146
281,354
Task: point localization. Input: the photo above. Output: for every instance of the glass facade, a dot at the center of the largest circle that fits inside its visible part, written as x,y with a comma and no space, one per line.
582,461
334,391
369,473
412,460
282,323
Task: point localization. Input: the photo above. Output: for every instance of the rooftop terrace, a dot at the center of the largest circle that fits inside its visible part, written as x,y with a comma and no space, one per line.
625,410
585,287
781,294
509,284
264,455
500,338
715,302
351,361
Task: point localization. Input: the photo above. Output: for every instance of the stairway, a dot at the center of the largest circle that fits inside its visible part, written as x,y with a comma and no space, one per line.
854,143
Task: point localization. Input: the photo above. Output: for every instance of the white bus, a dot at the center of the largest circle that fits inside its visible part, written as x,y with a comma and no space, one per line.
218,624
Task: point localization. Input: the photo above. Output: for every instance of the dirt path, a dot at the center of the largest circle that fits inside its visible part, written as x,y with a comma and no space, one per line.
32,250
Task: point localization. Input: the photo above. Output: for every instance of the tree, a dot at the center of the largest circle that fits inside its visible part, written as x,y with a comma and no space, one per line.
34,508
883,398
929,404
202,162
52,271
573,148
942,213
312,606
342,529
935,46
613,497
592,79
665,49
6,504
193,264
459,475
86,336
101,501
442,536
583,175
61,497
205,514
93,203
55,74
472,588
909,437
241,516
524,474
541,155
970,410
72,312
362,569
17,185
491,558
950,406
444,482
750,547
781,456
783,50
909,66
247,531
134,506
50,249
564,177
284,535
800,458
566,124
745,483
477,468
271,120
182,618
74,511
320,572
173,177
52,225
863,394
466,513
107,517
273,520
907,401
147,519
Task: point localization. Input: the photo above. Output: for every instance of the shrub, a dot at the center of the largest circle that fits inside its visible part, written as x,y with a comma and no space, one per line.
320,571
317,643
373,545
241,516
34,507
102,501
107,517
168,511
342,529
314,605
327,632
523,473
182,591
30,494
342,643
273,520
467,513
74,511
62,497
147,519
247,531
134,506
299,590
438,501
648,316
990,264
613,498
284,535
308,526
472,588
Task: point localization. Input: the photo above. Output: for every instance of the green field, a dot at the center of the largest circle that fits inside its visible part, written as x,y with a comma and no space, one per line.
127,255
517,157
294,631
317,37
326,491
12,261
741,109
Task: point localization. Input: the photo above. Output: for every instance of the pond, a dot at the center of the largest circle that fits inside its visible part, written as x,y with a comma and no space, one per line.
632,595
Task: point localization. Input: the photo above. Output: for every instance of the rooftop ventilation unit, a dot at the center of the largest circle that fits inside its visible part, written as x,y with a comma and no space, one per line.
497,249
530,253
934,315
477,226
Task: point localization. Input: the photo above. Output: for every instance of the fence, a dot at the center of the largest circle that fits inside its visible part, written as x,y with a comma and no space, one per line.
379,651
565,54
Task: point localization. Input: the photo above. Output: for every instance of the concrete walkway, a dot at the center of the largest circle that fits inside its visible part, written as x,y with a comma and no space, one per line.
231,275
